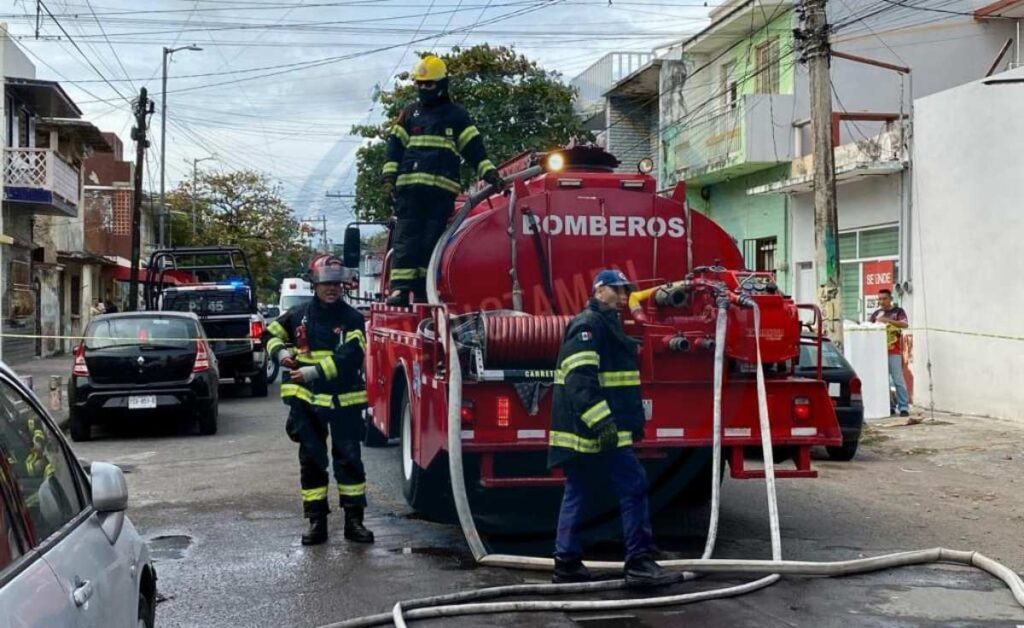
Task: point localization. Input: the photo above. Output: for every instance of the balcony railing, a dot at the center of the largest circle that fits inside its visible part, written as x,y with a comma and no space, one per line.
740,137
41,169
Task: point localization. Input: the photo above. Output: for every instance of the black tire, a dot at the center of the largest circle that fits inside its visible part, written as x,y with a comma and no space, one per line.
688,488
424,489
259,383
374,437
273,370
147,611
846,451
79,425
208,418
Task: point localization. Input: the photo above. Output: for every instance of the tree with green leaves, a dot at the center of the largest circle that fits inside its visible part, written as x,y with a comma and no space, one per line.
516,104
244,209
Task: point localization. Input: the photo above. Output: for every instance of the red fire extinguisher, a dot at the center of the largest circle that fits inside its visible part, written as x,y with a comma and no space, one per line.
302,338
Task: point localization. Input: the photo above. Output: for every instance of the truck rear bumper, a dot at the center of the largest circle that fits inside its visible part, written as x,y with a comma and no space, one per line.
733,451
241,363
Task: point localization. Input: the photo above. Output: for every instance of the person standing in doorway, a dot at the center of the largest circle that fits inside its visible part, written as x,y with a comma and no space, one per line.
895,320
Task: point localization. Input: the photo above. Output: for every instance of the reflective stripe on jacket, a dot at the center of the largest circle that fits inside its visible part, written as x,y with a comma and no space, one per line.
597,380
425,145
336,337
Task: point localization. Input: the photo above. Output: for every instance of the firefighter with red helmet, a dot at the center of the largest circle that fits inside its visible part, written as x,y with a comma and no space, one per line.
321,343
596,415
424,148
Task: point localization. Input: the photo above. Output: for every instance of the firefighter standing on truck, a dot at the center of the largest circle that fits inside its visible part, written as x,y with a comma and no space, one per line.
322,343
422,174
597,413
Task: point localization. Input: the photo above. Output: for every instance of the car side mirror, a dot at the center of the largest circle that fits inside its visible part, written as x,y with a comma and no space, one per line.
109,497
352,243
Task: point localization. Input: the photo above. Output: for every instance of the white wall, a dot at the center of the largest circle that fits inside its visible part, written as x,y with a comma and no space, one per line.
14,62
968,268
868,202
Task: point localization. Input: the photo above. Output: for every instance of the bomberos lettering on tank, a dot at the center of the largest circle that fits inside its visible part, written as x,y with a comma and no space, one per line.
610,226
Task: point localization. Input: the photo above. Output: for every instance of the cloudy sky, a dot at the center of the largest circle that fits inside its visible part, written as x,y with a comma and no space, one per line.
278,83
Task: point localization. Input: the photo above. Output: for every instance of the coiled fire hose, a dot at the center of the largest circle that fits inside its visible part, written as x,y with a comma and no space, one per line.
469,602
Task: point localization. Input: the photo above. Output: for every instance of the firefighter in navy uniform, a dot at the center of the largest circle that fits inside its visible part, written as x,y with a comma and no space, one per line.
597,414
422,174
321,344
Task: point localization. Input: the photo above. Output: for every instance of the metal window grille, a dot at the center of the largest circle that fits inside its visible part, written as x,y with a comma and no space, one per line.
759,253
767,58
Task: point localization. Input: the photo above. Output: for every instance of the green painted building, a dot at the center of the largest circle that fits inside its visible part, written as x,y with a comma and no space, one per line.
730,128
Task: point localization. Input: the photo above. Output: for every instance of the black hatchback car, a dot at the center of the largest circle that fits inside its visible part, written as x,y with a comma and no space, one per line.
844,388
135,363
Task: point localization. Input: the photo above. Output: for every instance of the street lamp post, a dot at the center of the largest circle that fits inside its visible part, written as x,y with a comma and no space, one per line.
163,136
195,162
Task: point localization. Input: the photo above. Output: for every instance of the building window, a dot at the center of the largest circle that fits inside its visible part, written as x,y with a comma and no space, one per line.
759,254
860,247
729,90
767,62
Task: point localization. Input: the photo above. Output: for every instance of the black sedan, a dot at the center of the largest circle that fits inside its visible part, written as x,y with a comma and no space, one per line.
844,388
132,364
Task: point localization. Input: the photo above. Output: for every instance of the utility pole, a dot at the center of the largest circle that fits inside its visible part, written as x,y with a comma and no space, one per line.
163,135
826,220
143,108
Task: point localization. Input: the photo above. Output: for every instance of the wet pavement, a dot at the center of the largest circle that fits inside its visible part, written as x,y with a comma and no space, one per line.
223,519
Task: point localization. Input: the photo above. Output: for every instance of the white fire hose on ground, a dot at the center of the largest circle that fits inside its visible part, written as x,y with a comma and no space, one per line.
468,602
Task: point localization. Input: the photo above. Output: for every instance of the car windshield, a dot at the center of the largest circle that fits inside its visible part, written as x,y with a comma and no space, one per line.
140,331
208,302
830,356
291,300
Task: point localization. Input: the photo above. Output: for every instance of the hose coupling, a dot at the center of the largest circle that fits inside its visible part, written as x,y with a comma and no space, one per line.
672,295
679,344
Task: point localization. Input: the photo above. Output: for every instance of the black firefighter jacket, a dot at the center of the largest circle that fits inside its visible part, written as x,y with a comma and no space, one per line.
597,380
336,344
425,144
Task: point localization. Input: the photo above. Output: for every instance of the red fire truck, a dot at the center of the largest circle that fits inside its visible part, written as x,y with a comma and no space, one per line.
509,275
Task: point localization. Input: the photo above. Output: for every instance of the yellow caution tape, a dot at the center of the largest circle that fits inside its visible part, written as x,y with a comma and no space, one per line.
957,332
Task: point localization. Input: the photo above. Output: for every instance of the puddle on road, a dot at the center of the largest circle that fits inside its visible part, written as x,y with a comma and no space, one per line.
458,560
609,621
169,547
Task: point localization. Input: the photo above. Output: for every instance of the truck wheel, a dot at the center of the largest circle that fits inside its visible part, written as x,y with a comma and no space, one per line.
686,498
847,450
208,418
423,488
259,384
273,370
374,437
79,425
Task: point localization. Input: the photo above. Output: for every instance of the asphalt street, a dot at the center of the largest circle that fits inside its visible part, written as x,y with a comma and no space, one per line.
223,517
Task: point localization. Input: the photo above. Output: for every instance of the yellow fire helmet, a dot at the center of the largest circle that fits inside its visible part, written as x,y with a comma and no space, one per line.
429,68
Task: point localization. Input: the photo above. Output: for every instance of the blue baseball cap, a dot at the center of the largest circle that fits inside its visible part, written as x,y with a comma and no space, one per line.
612,277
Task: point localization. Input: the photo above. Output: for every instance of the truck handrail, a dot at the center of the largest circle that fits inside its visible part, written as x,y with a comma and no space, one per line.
474,199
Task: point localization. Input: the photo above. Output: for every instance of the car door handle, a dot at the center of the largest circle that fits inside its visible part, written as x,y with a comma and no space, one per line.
82,592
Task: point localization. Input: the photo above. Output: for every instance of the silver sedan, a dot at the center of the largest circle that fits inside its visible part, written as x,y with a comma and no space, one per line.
68,554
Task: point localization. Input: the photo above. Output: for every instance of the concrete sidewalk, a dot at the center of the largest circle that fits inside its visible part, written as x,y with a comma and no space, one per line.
41,371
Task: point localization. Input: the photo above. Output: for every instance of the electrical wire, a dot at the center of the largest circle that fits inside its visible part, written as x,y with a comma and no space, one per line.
81,52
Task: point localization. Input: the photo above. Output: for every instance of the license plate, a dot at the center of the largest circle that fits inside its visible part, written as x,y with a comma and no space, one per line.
833,389
142,402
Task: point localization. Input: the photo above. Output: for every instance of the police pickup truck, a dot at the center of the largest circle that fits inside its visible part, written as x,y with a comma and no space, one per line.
216,284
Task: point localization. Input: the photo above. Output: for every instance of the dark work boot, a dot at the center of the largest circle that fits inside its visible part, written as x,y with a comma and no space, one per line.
567,571
398,297
317,532
354,528
643,572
